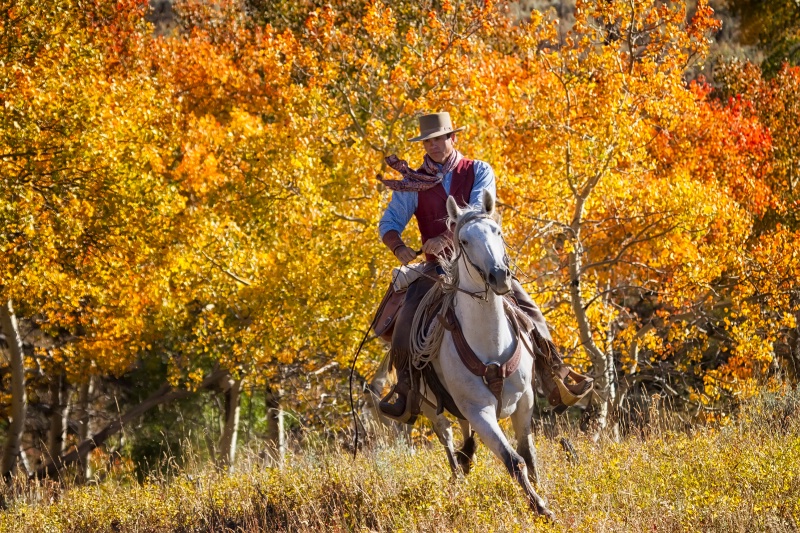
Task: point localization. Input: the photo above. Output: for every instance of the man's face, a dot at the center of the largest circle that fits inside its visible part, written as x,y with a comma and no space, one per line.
439,148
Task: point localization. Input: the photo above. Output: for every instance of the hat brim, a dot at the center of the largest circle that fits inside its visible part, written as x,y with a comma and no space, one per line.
437,133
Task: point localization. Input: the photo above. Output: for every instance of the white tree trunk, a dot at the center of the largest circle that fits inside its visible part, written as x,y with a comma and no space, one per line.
603,369
276,436
230,423
59,413
19,402
86,391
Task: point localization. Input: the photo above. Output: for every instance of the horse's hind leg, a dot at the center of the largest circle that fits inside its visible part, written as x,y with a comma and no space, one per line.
521,420
466,454
444,432
485,424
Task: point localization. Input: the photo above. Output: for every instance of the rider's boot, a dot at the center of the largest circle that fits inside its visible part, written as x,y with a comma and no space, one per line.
399,410
562,386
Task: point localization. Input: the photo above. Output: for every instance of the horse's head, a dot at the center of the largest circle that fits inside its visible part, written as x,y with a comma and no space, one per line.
479,241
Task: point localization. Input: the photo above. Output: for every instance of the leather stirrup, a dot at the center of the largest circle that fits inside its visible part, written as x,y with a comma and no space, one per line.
409,415
569,396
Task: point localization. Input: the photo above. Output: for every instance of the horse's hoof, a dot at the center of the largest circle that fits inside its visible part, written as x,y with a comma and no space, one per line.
463,462
541,509
547,515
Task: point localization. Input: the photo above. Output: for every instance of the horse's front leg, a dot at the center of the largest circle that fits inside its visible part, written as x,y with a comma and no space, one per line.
485,423
521,420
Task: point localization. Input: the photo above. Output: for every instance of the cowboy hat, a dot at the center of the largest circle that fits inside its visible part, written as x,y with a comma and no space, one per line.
434,125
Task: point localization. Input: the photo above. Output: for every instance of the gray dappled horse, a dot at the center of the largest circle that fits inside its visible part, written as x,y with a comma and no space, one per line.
497,380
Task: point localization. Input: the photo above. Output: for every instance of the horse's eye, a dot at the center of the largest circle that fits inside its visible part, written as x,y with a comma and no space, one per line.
463,242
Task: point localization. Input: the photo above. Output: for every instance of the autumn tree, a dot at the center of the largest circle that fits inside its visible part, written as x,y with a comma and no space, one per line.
82,200
198,210
774,26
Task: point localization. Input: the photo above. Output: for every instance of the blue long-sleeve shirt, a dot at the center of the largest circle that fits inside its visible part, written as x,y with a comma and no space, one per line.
403,205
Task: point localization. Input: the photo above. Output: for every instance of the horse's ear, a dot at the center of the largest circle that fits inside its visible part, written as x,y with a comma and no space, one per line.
488,202
452,208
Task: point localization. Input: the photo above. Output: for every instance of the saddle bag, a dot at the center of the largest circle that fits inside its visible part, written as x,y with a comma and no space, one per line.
383,323
392,302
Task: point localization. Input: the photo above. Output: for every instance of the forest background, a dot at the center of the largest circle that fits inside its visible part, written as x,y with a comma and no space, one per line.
189,206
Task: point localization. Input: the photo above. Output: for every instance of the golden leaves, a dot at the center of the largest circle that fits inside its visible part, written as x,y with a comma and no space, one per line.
232,167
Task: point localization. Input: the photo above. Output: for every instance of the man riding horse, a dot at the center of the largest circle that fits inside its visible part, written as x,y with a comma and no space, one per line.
422,194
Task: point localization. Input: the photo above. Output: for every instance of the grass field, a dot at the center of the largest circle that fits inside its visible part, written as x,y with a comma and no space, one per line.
739,477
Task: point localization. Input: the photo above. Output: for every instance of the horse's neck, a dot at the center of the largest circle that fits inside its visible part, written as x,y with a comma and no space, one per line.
483,322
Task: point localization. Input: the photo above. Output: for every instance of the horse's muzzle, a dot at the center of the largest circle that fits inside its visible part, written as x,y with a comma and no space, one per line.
499,280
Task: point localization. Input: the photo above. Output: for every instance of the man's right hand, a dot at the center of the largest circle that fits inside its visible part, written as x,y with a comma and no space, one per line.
405,254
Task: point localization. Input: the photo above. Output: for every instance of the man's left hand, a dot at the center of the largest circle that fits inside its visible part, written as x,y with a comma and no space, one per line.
436,245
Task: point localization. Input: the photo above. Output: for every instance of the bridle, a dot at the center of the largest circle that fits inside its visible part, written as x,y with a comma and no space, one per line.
483,277
462,252
483,296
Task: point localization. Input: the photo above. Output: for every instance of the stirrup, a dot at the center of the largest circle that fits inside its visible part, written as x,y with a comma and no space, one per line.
584,383
407,417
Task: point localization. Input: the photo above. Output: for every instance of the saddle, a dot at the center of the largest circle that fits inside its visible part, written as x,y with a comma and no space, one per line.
562,386
389,308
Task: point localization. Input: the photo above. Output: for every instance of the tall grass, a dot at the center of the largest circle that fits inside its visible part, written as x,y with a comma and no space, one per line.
740,477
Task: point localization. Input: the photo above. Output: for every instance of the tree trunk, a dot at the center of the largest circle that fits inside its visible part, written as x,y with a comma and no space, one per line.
603,369
59,413
19,402
163,395
602,363
86,391
793,341
276,437
230,423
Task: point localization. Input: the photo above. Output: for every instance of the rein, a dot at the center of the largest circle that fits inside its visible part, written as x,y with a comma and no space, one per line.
483,296
353,372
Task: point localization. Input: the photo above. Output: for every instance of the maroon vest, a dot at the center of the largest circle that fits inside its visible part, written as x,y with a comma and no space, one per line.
431,213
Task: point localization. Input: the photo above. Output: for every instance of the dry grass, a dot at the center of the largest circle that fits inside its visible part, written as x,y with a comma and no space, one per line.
742,477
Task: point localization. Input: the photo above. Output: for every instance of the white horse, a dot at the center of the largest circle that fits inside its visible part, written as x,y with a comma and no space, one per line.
480,272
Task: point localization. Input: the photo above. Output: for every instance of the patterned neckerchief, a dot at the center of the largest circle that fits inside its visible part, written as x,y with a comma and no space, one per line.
428,176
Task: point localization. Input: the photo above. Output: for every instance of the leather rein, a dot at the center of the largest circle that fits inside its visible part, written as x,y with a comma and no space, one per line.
484,295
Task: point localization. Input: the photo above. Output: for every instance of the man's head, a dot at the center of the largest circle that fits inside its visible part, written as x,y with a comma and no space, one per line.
439,148
437,135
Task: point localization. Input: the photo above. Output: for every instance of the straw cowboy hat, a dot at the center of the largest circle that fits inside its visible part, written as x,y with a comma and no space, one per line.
434,125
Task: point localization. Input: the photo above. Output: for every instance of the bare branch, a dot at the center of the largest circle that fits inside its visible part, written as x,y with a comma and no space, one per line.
358,220
228,272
